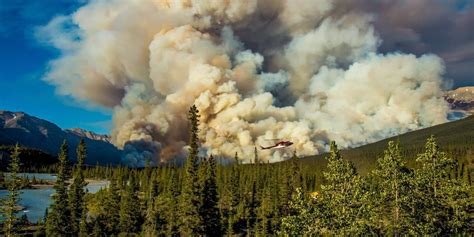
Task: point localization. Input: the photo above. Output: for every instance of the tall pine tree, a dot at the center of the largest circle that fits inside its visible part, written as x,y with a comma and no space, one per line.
130,211
391,197
83,228
431,185
58,222
209,210
302,217
233,190
190,203
112,208
13,185
77,190
340,193
170,206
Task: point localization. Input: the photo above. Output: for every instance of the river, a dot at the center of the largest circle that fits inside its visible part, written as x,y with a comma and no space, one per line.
35,201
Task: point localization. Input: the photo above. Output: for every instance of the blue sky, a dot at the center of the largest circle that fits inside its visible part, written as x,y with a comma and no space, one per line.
24,60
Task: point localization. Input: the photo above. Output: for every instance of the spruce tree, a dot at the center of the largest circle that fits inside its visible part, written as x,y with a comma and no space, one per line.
294,174
13,185
302,218
234,193
168,205
83,228
392,196
251,205
340,193
130,211
264,211
190,203
58,221
77,189
112,208
432,183
288,184
154,219
209,211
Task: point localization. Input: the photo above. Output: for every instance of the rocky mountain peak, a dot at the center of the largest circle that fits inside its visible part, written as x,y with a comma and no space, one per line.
91,135
33,132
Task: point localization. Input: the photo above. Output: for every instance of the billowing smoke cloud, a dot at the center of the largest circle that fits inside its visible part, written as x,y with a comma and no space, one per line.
446,30
307,71
140,153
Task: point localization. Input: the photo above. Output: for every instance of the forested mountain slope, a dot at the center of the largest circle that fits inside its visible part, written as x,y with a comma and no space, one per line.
456,138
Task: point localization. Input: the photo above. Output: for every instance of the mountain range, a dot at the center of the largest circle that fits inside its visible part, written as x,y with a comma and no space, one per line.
33,132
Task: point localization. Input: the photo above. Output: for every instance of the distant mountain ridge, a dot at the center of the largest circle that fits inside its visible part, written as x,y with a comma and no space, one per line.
30,131
91,135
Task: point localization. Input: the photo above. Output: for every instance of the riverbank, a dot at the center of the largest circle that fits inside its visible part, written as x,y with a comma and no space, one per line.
37,197
51,185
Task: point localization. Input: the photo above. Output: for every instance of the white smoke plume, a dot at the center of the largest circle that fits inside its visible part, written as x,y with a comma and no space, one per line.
307,71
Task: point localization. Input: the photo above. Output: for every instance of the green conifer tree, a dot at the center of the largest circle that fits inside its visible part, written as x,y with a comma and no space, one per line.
8,207
234,199
112,208
251,206
130,211
302,218
169,205
288,184
295,173
442,204
190,201
392,196
77,189
58,222
265,211
210,211
83,228
340,194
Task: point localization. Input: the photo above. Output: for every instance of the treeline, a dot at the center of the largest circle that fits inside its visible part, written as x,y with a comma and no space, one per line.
32,160
287,198
23,181
274,199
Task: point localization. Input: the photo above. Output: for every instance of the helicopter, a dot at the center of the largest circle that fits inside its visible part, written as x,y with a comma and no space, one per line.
280,144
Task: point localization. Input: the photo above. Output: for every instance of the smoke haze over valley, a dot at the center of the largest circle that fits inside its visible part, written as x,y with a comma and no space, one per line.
305,71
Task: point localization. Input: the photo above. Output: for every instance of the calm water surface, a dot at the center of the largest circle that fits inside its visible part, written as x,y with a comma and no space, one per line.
36,201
